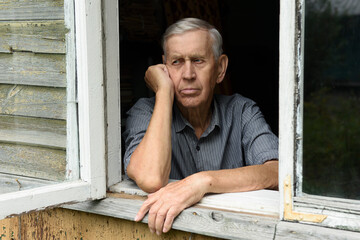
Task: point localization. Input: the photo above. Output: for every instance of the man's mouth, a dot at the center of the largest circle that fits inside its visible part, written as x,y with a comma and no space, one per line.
189,91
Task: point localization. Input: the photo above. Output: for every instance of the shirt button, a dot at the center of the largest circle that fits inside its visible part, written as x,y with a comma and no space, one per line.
198,148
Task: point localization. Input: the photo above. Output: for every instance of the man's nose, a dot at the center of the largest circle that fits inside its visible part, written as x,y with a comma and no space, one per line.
189,71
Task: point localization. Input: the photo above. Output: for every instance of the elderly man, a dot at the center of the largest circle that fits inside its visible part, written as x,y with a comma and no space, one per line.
212,143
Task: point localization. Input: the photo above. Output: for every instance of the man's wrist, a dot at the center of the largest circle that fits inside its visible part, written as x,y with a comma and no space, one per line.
166,93
206,181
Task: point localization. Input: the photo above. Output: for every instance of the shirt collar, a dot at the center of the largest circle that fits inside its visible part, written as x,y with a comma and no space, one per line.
180,122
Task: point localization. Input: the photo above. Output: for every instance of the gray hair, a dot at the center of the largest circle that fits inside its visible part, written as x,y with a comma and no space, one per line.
188,24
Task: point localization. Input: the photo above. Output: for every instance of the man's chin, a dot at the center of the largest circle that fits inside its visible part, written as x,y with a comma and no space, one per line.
188,103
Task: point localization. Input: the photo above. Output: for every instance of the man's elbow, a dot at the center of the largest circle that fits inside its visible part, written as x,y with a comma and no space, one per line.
150,185
147,183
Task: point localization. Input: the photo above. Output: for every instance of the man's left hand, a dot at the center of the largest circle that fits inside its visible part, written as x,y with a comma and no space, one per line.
164,205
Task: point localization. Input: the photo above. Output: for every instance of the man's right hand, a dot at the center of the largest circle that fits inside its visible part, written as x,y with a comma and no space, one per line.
157,77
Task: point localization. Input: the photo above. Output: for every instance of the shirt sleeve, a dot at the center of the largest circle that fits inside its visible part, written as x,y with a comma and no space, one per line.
137,121
260,144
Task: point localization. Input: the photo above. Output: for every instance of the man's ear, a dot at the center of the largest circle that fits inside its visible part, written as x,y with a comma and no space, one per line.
163,59
222,66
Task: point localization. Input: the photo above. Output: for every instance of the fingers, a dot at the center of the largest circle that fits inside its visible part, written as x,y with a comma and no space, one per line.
161,218
159,221
143,210
157,76
156,215
170,216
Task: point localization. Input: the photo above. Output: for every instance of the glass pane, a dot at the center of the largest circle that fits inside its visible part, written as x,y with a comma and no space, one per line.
34,96
331,157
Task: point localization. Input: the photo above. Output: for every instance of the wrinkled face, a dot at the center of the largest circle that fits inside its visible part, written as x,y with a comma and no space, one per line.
192,68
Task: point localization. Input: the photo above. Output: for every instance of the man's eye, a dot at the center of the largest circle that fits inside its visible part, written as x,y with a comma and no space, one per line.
197,61
175,62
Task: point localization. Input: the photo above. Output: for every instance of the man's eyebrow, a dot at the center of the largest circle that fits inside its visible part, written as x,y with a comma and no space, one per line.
192,56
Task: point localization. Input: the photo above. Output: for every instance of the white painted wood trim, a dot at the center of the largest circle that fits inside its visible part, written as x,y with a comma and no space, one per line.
72,137
112,79
339,213
91,95
286,95
264,202
42,197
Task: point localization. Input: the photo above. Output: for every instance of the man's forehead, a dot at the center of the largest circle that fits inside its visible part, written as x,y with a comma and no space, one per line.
195,42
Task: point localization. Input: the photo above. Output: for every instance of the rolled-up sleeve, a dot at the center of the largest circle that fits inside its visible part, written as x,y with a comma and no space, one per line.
259,142
137,121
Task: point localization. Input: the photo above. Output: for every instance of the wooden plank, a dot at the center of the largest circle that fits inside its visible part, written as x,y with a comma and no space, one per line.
286,230
264,202
31,161
10,228
198,220
27,68
33,36
33,131
31,9
11,183
33,101
68,224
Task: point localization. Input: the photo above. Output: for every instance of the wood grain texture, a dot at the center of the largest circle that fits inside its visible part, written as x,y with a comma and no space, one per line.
27,68
33,36
33,131
63,224
33,101
31,9
263,202
198,220
286,230
32,161
10,229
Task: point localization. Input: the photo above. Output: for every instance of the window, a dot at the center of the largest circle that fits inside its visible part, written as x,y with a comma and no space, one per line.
309,82
212,220
85,175
97,66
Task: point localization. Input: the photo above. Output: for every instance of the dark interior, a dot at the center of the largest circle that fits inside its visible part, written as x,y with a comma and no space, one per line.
250,30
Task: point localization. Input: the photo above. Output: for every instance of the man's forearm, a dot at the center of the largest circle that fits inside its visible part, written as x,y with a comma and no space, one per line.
242,179
150,163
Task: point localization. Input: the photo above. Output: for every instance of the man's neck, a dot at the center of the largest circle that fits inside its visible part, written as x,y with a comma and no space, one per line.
199,118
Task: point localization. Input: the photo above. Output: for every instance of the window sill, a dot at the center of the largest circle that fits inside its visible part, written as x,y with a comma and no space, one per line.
263,202
196,219
228,219
235,215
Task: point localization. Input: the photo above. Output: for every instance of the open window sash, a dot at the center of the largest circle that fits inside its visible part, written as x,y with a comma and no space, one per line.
294,205
91,182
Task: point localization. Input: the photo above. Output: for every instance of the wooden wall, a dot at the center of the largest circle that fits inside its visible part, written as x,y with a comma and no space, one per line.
33,88
68,224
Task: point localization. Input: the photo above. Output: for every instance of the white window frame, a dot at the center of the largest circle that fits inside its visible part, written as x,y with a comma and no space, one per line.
220,215
263,202
295,205
91,123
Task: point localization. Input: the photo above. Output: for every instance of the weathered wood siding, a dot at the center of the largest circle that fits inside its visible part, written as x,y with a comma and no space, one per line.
33,88
68,224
